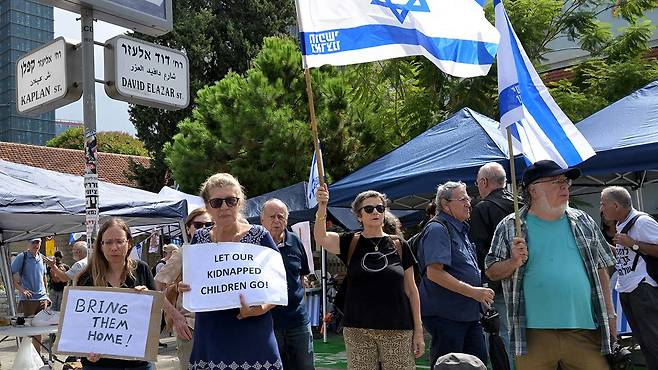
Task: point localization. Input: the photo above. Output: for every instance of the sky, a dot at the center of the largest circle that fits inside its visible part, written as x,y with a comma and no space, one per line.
111,115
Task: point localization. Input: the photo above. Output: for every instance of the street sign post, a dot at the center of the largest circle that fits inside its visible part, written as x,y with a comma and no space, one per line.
148,74
48,78
151,17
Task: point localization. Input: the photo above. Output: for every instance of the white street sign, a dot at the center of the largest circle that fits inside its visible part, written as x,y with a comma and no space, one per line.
152,17
144,73
48,78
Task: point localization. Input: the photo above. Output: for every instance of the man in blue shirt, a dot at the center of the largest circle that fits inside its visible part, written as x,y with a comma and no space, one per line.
450,286
30,279
291,323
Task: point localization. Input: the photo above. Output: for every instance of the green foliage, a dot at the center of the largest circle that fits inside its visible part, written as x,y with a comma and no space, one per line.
218,36
108,141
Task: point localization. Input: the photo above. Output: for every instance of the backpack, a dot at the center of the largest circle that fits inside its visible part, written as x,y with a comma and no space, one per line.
651,262
339,299
414,244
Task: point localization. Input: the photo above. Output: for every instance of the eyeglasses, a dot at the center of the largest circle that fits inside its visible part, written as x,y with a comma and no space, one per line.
117,242
370,209
558,182
461,200
200,225
230,202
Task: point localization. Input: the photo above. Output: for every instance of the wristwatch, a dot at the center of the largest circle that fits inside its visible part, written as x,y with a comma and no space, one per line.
635,247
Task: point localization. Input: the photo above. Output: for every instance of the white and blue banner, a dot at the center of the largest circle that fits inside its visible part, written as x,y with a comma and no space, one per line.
313,182
453,34
542,130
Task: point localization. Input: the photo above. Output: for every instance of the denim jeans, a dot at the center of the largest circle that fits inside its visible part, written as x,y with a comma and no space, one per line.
296,347
455,336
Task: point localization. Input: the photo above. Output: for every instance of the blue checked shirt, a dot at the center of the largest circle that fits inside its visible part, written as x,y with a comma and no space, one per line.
596,255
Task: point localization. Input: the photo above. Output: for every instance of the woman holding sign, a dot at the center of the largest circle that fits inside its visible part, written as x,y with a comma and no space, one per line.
382,308
111,266
243,336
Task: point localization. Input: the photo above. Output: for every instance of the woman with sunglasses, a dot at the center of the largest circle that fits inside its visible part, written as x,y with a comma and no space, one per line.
169,277
382,309
243,336
112,266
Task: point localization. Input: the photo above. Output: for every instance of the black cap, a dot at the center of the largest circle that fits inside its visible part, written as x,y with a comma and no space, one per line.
547,168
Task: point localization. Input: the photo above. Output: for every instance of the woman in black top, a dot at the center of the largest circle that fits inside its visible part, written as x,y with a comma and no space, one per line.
111,266
382,308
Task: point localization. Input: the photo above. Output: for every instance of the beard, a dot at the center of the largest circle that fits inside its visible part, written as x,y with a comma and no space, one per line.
542,204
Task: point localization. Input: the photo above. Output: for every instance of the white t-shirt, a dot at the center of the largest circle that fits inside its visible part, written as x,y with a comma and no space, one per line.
644,230
76,268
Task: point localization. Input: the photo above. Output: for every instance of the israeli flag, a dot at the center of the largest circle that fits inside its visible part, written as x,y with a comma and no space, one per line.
539,127
453,34
313,183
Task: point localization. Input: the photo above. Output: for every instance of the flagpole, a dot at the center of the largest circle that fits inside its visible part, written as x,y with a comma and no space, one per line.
515,190
320,165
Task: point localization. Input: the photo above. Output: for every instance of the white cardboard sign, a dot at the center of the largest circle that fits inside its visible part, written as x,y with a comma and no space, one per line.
111,322
144,73
219,272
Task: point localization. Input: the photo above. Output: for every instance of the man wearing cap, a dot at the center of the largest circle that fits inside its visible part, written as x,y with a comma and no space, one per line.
554,277
30,279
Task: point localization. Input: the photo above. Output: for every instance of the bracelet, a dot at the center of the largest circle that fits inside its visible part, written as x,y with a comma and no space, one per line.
613,316
320,218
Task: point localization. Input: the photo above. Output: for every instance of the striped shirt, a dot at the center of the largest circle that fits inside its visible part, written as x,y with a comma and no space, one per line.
595,252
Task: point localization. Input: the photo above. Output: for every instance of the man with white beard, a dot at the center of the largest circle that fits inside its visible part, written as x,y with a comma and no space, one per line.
554,276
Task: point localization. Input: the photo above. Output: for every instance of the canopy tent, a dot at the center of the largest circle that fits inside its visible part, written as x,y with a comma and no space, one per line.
35,202
625,138
193,201
451,150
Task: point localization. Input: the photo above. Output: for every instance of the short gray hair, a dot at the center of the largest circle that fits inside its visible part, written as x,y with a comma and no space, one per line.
273,201
80,246
444,191
494,172
619,195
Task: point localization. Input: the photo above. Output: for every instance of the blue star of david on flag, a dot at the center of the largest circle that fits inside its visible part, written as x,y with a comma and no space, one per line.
400,11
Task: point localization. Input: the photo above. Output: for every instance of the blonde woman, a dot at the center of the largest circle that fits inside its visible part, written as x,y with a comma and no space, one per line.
241,337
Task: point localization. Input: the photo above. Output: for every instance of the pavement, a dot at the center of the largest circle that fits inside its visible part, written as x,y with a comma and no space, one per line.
167,359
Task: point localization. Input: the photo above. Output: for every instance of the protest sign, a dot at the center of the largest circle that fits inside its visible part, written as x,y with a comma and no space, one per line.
112,322
219,272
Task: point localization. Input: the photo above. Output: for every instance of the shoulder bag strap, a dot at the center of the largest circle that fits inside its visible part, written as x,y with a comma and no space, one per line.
353,242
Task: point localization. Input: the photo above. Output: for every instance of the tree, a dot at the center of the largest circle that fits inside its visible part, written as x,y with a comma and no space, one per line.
218,36
108,142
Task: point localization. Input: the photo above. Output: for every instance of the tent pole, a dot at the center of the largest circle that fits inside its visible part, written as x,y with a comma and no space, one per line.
7,280
515,190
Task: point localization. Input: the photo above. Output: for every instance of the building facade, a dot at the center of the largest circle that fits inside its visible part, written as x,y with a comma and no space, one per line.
24,25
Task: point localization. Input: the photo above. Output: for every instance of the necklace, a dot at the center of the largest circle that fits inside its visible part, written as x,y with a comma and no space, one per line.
376,245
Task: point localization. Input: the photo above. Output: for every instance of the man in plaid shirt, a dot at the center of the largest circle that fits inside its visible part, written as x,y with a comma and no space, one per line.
554,276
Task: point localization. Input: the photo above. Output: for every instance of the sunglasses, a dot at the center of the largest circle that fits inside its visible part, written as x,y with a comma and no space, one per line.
230,202
200,225
369,209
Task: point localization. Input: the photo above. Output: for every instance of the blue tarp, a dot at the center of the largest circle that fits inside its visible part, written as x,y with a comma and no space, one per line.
37,202
451,150
624,134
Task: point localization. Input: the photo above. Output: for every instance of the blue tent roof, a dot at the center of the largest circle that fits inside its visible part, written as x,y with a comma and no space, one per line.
624,134
451,150
36,202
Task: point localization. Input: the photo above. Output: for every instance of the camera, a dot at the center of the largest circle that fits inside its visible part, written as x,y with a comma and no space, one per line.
620,359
